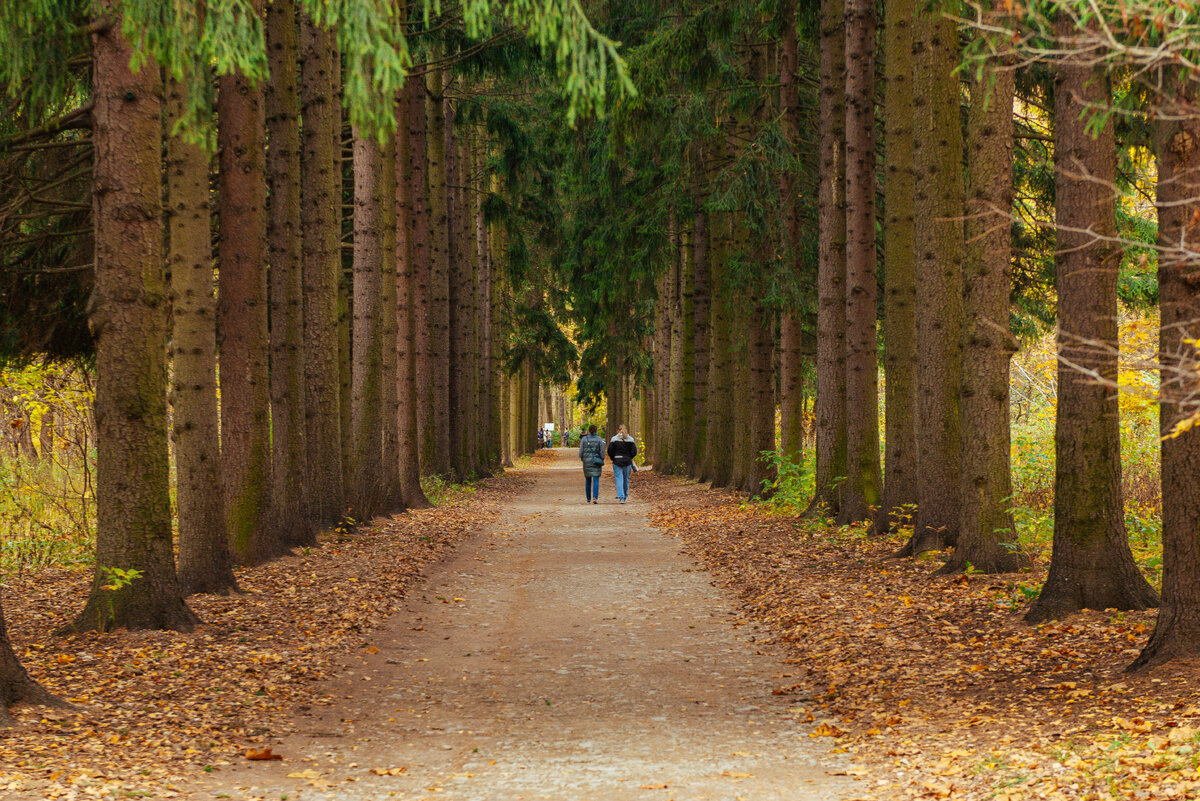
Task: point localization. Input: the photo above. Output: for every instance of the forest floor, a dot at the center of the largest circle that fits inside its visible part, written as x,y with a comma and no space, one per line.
935,686
514,643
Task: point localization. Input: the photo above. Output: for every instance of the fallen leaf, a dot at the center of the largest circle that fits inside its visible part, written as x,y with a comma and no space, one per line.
263,754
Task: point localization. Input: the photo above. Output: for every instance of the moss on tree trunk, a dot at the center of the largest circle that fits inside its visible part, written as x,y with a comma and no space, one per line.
1091,566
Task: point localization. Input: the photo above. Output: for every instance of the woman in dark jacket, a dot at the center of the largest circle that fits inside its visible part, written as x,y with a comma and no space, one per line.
621,449
591,453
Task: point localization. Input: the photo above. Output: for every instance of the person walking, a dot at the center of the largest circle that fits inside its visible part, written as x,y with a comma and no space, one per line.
621,450
591,453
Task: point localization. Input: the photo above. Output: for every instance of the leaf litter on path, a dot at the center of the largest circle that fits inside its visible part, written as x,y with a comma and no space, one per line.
157,707
936,686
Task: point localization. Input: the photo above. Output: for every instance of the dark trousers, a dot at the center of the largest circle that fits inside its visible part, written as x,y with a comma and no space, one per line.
591,486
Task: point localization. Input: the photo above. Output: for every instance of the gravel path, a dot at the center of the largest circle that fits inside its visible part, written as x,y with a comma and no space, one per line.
571,653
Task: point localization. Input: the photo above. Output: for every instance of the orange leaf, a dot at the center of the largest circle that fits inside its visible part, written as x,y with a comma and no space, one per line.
264,754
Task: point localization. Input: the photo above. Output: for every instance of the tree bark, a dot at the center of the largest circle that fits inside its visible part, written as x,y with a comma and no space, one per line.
489,433
742,390
862,490
470,254
1091,566
456,303
685,421
831,265
289,508
760,468
389,398
205,564
662,372
939,249
1177,139
720,380
367,350
242,319
987,536
426,441
439,274
674,408
345,292
128,318
408,390
320,177
498,289
791,356
899,273
528,429
700,346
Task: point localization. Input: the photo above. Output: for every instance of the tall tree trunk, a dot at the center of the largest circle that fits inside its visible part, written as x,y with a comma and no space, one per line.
345,293
791,388
528,430
418,143
791,355
741,392
939,249
500,417
1177,137
408,390
720,369
389,398
439,273
489,432
675,354
320,181
205,564
1091,566
128,318
700,346
899,272
831,265
863,487
685,421
987,536
515,409
761,471
662,373
242,319
470,255
367,348
506,422
455,300
289,508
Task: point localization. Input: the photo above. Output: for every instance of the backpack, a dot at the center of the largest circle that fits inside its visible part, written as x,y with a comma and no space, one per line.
593,456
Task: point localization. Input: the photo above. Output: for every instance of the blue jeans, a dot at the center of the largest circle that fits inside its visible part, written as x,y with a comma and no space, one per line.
621,475
591,486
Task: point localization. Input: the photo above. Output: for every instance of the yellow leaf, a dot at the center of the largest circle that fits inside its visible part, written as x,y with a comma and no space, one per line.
1181,734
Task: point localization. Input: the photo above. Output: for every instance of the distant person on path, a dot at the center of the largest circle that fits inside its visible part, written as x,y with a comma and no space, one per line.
621,449
541,439
591,453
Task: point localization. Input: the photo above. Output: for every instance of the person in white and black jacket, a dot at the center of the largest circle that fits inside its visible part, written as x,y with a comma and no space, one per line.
621,450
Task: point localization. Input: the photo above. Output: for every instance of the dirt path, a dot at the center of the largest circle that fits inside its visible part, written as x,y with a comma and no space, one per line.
570,653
